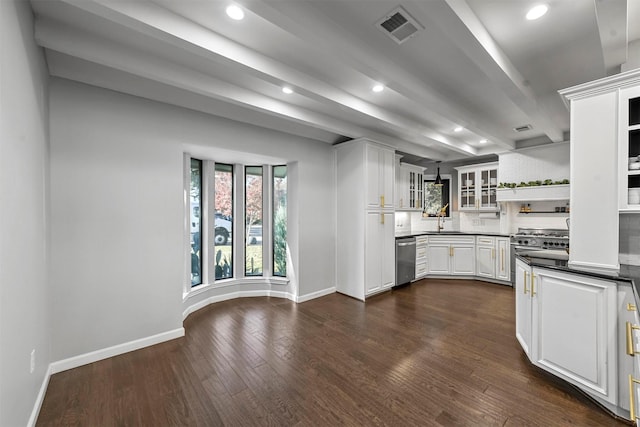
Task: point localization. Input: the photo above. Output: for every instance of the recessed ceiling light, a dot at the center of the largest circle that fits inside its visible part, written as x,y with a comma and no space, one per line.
377,88
235,12
537,11
483,141
458,129
287,90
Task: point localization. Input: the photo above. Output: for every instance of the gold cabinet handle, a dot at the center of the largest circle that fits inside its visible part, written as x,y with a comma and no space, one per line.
632,409
450,250
630,347
381,201
493,253
533,276
381,218
501,259
631,307
525,282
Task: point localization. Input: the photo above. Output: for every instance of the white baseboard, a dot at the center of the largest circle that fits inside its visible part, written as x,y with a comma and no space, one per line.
94,356
257,293
317,294
40,398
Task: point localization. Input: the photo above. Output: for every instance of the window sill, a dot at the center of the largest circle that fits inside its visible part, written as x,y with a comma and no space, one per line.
224,283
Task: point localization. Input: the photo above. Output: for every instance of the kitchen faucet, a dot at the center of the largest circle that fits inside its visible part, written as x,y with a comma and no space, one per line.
441,213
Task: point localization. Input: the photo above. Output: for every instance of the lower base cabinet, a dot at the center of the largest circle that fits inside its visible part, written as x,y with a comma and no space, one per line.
448,255
573,324
421,256
567,324
379,252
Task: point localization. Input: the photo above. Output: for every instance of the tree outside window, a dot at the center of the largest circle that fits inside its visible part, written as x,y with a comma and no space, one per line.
223,229
280,221
253,221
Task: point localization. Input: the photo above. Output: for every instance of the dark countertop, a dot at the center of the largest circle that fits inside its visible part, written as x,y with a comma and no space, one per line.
446,233
628,273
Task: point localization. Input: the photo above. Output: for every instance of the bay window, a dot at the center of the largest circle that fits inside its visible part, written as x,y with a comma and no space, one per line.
219,236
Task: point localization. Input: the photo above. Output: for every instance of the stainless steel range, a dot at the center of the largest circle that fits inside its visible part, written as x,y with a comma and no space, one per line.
531,239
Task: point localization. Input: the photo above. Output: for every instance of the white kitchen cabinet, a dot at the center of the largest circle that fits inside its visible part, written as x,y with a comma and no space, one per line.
451,255
380,177
503,259
409,187
421,256
379,247
600,131
486,257
366,229
630,386
629,134
628,349
492,258
566,323
477,185
522,289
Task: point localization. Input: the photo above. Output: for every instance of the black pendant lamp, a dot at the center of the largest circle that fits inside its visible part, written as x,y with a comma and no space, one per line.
438,182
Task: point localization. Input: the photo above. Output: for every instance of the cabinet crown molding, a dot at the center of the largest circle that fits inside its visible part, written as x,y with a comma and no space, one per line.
604,85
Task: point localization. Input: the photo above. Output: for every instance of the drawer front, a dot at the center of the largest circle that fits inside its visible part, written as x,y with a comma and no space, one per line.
421,252
453,240
421,269
485,241
422,240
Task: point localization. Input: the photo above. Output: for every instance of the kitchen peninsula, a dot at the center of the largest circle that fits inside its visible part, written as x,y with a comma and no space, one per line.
555,301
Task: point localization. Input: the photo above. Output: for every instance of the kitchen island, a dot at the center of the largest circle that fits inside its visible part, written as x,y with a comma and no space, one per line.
580,326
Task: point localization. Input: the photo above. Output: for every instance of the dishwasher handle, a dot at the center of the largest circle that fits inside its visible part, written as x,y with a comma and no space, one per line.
407,244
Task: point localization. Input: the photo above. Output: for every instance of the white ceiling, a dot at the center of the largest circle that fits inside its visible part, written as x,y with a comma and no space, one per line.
477,64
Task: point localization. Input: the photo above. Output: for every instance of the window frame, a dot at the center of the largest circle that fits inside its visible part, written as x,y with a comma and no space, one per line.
273,222
207,221
448,183
247,230
232,220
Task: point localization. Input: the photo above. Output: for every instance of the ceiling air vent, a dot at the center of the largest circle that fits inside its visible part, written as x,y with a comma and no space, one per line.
399,25
523,128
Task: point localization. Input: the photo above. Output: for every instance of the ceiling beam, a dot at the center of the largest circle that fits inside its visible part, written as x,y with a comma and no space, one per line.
163,25
465,29
611,16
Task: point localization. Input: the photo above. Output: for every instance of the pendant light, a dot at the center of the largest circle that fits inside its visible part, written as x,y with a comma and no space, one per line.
438,182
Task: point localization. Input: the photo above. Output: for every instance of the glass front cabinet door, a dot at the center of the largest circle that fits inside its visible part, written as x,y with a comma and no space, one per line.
477,186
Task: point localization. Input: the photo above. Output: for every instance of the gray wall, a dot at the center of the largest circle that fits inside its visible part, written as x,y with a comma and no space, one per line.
117,211
24,297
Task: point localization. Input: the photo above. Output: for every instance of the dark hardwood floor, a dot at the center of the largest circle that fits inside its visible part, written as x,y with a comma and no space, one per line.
435,353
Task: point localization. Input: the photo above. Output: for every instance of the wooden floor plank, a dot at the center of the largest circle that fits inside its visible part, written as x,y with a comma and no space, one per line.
435,353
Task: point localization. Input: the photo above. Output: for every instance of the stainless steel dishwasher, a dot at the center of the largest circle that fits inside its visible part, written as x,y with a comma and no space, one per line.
405,260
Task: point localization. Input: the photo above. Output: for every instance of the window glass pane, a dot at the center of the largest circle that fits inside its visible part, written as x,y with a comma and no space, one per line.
195,198
253,221
279,220
223,230
436,197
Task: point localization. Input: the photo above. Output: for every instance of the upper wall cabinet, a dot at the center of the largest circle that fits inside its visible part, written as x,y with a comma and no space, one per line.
629,194
409,187
603,138
380,176
477,185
